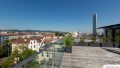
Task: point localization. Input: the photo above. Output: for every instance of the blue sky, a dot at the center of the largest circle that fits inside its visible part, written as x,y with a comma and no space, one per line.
59,15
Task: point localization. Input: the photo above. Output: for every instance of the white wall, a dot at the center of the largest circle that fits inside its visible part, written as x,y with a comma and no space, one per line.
34,45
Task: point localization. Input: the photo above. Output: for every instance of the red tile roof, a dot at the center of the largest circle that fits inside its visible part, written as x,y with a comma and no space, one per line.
48,35
38,38
26,40
4,35
46,40
20,41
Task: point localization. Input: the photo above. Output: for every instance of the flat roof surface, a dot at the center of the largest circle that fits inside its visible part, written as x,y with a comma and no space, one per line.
111,26
89,57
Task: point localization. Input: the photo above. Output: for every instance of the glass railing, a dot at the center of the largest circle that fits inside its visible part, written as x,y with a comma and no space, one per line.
49,58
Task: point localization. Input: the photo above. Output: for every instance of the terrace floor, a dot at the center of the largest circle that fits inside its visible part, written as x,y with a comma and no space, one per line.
89,57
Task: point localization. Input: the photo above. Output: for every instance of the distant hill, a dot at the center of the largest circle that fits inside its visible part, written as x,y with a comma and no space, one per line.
15,30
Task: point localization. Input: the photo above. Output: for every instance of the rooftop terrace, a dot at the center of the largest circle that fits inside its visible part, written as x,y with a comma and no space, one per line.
89,57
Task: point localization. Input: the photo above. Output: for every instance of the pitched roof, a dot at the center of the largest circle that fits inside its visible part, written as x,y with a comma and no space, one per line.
48,40
48,34
38,38
4,35
20,41
26,40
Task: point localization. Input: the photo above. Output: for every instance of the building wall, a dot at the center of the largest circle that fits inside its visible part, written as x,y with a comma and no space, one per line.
3,39
111,34
14,46
75,34
13,37
34,45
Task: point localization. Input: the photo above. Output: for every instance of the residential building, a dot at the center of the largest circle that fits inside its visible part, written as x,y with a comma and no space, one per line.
18,42
75,34
111,31
34,43
15,36
3,38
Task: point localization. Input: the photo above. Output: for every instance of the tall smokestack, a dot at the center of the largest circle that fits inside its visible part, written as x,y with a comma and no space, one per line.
94,24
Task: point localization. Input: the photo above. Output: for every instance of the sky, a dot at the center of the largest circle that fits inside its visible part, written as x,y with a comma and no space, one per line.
58,15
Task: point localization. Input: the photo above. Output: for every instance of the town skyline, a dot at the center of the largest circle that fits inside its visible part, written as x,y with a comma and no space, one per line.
60,15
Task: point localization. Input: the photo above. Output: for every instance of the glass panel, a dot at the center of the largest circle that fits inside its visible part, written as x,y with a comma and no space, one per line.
50,58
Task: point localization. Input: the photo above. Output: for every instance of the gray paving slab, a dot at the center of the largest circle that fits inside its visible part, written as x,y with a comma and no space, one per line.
89,57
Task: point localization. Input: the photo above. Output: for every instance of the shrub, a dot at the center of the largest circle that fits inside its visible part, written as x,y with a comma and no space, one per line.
105,39
82,39
68,41
93,39
21,53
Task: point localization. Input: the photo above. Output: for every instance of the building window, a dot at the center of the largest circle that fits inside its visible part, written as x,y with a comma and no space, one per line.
34,41
31,42
34,46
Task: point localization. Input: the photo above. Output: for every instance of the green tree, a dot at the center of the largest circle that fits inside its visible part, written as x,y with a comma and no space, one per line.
26,52
105,39
94,39
15,53
10,60
82,39
68,41
8,63
8,47
59,34
1,51
7,42
21,53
